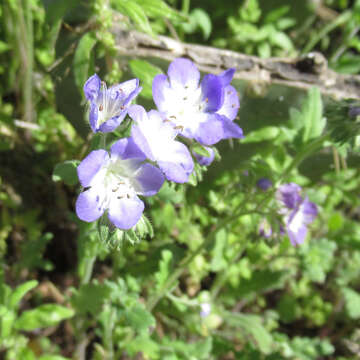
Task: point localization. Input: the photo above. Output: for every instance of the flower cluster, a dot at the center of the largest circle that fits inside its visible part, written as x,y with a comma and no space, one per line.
203,112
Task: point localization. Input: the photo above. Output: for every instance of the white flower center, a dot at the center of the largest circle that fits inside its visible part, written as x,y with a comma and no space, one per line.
185,107
115,181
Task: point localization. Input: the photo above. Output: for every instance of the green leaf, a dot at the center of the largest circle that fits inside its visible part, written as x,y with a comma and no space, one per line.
145,72
202,20
90,298
52,357
200,150
158,8
82,59
352,302
164,268
6,321
218,262
20,292
312,118
139,318
251,326
266,133
136,13
66,172
43,316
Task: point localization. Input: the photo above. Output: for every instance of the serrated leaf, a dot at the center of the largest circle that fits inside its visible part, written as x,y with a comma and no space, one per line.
90,298
20,292
145,72
66,172
43,316
139,318
82,59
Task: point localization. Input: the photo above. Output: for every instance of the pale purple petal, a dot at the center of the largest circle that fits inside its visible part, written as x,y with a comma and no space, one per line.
205,160
93,116
177,164
88,206
210,131
111,124
89,167
137,113
226,76
141,141
230,129
160,86
309,210
231,104
125,213
92,87
289,194
183,72
212,92
265,229
297,235
150,179
127,149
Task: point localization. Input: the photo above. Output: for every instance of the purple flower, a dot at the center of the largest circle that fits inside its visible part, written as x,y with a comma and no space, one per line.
113,182
298,212
156,139
205,160
264,184
108,107
203,112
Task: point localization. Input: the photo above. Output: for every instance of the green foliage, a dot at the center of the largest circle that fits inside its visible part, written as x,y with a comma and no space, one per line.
68,287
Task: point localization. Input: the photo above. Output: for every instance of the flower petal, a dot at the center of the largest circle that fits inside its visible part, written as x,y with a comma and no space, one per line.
125,213
111,124
90,166
297,235
230,129
226,76
150,179
92,87
231,104
289,195
183,73
210,131
212,92
177,163
88,206
127,149
93,116
160,86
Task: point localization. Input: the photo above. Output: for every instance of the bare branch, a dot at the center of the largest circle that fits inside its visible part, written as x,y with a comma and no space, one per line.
302,73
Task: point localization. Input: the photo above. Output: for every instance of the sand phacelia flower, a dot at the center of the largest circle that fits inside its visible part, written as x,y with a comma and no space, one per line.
205,111
156,138
298,212
113,182
108,107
